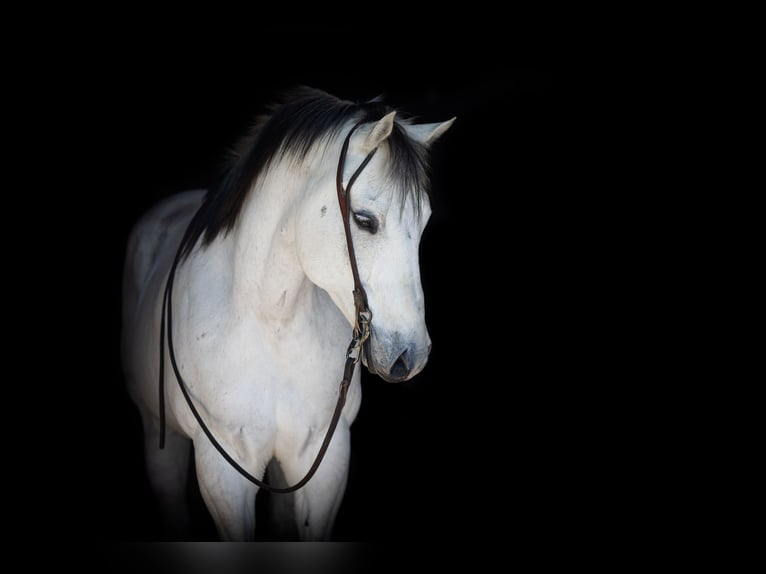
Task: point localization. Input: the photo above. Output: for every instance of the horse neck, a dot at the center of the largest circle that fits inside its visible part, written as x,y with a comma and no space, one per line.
267,278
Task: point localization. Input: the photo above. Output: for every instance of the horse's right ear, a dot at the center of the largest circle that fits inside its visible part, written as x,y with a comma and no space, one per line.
428,133
379,132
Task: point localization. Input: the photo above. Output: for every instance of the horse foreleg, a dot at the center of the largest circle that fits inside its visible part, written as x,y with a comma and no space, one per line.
228,495
317,503
168,471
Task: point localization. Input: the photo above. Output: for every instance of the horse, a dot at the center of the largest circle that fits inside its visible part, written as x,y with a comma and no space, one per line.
239,301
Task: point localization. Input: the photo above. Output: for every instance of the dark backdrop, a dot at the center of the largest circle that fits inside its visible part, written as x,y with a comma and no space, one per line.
481,440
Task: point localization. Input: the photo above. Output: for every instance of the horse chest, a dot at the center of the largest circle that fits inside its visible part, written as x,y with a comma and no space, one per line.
259,378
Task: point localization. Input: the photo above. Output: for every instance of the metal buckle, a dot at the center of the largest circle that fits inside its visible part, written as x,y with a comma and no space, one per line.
361,334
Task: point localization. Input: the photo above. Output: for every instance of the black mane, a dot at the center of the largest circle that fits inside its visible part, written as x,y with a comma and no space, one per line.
291,129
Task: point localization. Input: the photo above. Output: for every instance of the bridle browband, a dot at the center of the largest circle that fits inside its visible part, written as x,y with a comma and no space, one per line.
361,332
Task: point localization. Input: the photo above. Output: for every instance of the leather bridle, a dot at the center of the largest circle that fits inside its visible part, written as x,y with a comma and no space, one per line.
360,335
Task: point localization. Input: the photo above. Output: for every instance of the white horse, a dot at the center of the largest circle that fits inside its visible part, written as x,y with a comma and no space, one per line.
262,308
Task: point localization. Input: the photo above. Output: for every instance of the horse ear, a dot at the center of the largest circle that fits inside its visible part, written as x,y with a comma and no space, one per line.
428,133
380,131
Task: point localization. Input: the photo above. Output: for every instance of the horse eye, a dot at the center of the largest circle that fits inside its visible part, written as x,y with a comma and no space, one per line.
366,222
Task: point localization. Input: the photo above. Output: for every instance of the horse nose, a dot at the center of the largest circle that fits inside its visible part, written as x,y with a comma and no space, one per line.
410,359
401,367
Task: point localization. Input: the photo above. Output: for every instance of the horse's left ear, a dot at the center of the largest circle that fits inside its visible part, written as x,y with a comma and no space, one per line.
428,133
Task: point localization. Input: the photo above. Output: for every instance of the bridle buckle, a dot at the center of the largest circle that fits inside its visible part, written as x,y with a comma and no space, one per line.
360,335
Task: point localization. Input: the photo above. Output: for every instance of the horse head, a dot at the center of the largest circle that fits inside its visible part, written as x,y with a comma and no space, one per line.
389,208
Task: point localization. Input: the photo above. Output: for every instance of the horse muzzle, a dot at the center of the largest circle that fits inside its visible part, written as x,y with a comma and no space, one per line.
395,359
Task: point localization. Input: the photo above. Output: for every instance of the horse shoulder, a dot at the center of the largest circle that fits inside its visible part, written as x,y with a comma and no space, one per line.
149,253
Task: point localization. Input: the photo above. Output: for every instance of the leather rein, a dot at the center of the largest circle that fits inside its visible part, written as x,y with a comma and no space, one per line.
361,332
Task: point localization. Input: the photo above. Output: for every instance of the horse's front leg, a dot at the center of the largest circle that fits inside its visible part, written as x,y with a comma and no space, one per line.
228,495
317,503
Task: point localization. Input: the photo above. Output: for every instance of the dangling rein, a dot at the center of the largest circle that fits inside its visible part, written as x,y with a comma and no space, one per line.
360,335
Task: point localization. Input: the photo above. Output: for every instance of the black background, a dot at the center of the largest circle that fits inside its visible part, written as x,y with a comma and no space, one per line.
484,439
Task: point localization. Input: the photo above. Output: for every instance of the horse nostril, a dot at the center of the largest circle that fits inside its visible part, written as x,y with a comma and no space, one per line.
400,369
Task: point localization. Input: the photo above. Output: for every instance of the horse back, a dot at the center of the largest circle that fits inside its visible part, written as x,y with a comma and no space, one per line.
152,244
